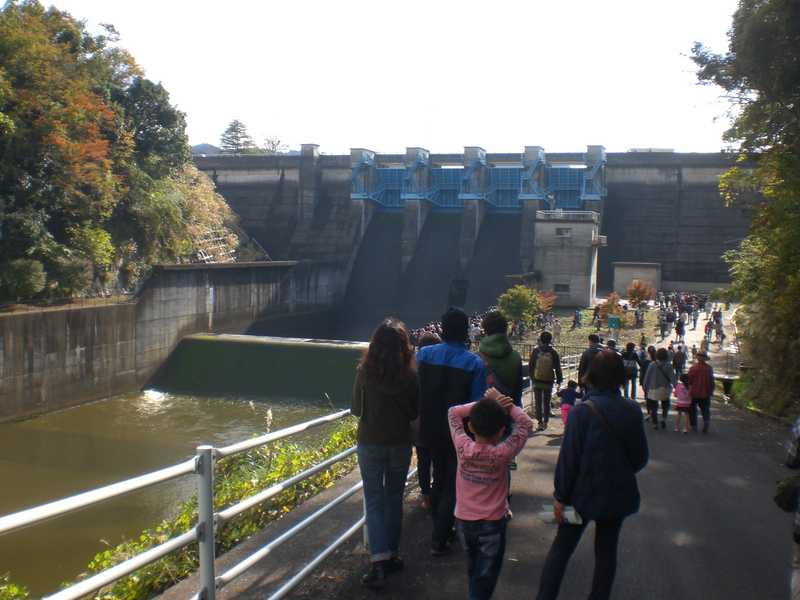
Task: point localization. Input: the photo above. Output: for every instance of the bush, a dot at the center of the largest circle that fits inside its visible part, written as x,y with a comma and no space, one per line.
21,279
11,591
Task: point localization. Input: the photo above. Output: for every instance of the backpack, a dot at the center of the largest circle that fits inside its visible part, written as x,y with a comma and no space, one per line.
543,369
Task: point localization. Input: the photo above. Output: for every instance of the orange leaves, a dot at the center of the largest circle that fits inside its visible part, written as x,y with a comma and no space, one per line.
547,300
640,292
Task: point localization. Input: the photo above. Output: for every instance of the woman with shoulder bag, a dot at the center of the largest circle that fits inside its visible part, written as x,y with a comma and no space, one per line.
385,397
659,381
604,447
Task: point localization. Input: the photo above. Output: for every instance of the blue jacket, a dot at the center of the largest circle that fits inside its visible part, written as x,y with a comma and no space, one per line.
596,470
449,374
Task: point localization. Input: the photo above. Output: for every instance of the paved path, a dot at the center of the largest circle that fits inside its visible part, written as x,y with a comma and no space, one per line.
707,530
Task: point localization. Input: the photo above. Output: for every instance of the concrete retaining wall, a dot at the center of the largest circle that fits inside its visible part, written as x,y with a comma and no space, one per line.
62,357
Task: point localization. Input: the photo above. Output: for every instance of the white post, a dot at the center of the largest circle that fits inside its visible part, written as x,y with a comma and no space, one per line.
205,525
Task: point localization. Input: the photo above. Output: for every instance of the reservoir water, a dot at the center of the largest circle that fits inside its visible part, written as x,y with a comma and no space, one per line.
63,453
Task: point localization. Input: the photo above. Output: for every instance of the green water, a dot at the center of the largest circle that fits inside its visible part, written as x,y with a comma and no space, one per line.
67,452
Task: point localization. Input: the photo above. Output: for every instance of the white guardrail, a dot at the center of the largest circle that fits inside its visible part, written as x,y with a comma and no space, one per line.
202,465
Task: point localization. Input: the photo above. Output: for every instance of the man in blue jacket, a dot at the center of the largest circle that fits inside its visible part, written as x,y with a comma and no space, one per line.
449,374
604,447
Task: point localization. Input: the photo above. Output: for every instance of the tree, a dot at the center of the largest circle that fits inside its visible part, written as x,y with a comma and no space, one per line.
95,178
158,128
611,306
22,278
236,140
640,292
760,75
520,303
273,145
547,300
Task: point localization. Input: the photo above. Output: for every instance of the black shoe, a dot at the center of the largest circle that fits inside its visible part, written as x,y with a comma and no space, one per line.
440,549
375,578
663,424
393,565
655,425
705,429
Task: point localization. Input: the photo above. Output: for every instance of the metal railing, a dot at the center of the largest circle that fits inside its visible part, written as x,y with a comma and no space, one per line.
204,533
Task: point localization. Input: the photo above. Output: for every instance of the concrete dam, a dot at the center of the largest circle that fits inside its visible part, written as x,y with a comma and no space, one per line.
408,234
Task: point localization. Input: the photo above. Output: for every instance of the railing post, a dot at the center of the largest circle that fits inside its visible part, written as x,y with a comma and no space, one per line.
205,525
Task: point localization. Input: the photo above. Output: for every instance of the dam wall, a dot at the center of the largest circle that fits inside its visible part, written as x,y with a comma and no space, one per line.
59,357
654,207
667,209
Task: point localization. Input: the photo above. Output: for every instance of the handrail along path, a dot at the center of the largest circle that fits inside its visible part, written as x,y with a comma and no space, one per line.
204,532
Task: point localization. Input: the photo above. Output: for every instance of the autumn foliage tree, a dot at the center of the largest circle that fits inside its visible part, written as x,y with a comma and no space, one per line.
640,292
94,160
611,306
547,299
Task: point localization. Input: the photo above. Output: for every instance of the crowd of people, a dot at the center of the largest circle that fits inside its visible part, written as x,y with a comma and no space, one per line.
677,311
461,410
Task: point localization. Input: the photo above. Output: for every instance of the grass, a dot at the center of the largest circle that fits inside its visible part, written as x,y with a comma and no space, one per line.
574,339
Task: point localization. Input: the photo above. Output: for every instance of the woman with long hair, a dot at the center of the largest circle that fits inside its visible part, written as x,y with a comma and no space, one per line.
385,397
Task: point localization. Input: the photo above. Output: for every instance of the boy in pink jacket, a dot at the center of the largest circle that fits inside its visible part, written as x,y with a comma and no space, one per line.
482,482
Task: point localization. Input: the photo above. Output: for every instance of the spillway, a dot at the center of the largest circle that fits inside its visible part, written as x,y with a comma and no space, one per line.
497,254
372,290
426,282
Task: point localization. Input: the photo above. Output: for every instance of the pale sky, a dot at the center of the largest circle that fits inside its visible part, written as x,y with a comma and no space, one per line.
438,74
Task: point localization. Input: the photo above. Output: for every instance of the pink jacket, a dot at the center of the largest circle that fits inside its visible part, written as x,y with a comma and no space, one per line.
684,400
482,477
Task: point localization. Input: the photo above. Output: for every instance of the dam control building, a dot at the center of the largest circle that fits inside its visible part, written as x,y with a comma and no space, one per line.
408,234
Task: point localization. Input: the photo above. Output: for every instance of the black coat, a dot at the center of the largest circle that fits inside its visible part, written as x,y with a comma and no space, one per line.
596,470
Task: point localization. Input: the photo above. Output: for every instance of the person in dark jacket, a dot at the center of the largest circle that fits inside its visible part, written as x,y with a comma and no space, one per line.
544,368
587,356
504,364
449,374
423,454
385,398
604,447
630,359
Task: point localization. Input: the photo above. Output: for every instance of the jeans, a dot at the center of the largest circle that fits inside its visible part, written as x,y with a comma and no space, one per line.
630,382
652,410
424,470
541,397
443,492
606,537
383,471
485,544
705,409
